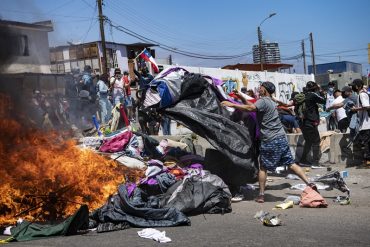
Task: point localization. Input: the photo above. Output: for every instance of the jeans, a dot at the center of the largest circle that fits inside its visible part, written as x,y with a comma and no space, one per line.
166,125
311,140
105,110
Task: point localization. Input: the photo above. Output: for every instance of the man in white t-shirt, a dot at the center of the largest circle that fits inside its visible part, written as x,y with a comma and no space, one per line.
331,123
363,109
340,113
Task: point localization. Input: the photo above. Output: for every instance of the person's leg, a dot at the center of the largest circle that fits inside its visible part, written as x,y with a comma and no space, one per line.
103,110
316,151
262,178
306,131
299,172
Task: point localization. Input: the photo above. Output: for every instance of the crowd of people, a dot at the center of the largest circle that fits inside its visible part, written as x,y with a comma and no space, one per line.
116,104
350,106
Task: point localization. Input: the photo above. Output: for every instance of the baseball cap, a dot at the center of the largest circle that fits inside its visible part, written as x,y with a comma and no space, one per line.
357,82
270,87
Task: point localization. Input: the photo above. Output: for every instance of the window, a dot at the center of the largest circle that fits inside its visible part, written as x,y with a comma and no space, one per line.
22,45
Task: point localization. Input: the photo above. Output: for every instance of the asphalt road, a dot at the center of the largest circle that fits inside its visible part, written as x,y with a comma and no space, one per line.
333,226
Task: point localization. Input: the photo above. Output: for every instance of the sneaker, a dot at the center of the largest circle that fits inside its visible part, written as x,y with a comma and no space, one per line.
237,198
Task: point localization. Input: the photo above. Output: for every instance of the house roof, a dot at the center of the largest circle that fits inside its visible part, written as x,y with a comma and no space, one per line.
137,45
46,26
257,66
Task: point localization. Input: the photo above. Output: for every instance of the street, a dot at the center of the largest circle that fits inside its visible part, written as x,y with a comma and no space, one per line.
333,226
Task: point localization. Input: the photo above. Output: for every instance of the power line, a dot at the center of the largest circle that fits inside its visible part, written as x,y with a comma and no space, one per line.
173,49
91,23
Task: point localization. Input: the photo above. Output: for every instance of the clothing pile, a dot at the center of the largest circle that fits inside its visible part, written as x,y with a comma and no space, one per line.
193,100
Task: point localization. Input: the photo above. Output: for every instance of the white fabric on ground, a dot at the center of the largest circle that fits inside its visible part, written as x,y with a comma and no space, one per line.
154,234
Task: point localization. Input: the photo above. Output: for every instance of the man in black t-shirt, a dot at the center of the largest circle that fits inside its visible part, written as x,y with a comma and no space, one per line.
311,121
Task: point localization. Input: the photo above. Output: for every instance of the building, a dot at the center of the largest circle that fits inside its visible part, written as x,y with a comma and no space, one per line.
341,73
270,53
272,67
74,57
26,45
336,67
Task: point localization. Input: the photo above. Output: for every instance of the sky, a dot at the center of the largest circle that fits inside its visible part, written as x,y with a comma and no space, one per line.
212,27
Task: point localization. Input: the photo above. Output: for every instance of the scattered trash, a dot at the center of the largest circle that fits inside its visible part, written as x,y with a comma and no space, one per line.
318,167
310,198
343,200
154,234
303,186
344,174
328,169
292,176
307,169
298,187
294,199
269,180
286,205
267,219
280,169
334,180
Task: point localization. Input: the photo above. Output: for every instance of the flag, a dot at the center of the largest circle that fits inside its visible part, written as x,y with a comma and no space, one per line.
145,54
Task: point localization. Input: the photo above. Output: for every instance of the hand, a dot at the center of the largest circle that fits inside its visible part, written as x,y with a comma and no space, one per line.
227,103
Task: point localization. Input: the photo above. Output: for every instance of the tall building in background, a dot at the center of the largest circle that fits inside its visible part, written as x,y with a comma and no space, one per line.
270,53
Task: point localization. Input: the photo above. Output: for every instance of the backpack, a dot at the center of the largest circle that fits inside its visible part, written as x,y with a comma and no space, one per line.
300,106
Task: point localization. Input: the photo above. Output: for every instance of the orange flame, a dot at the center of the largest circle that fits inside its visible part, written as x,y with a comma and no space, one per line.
43,172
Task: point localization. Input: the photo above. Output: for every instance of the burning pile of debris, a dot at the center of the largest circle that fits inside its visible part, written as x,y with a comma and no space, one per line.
46,177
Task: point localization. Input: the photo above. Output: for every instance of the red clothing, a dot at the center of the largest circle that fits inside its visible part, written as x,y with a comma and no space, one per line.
127,85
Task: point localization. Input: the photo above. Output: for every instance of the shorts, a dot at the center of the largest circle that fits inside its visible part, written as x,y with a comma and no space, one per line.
275,153
128,101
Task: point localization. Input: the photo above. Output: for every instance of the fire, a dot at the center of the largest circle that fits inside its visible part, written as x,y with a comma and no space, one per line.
50,176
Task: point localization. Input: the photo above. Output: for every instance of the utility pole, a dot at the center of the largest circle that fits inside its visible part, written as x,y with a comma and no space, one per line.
170,59
304,57
260,45
101,20
312,55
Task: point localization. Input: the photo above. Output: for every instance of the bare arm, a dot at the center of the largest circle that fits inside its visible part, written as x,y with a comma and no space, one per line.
282,103
335,106
247,107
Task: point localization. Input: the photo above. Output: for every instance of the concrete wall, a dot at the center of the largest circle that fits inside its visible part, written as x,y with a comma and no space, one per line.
38,60
338,153
285,83
342,79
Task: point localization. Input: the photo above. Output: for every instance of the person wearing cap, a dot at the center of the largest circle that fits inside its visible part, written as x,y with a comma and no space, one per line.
363,111
310,123
274,148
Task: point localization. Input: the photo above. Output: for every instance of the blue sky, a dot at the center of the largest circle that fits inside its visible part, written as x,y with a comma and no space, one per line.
213,27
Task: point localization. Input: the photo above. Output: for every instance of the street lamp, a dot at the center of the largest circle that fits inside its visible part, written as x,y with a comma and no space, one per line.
260,38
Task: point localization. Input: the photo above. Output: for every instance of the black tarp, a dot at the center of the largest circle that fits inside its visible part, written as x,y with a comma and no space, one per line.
198,195
120,208
200,111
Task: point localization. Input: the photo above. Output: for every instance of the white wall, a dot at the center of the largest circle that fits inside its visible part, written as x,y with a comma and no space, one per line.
38,60
285,83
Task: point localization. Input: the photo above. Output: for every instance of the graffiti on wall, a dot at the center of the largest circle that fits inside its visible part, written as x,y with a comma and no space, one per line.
285,90
230,84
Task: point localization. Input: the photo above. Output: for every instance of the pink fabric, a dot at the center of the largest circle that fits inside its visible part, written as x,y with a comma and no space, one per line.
117,143
312,199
